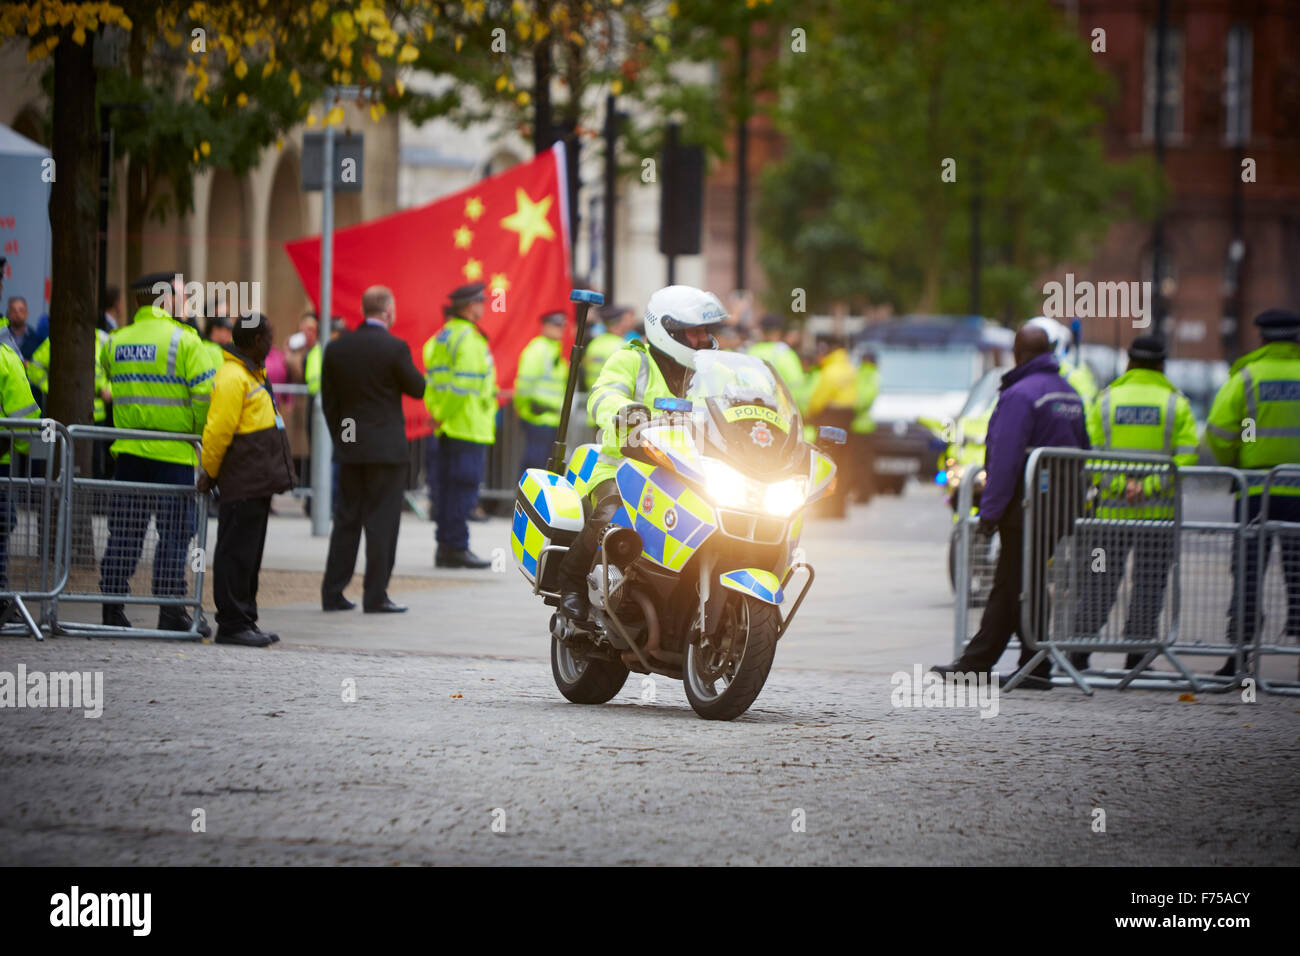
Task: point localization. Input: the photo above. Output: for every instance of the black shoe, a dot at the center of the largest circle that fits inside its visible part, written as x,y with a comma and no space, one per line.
463,558
1079,661
1028,682
245,639
205,632
574,606
275,638
388,607
1229,668
171,619
478,515
115,616
339,603
1132,661
956,667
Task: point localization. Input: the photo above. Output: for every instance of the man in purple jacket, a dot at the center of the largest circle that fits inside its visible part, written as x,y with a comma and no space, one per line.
1036,407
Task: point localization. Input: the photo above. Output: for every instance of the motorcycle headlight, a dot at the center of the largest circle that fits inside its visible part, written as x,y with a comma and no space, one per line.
725,485
784,498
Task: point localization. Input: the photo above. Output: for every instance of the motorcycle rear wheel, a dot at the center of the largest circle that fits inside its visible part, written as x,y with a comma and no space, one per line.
722,684
585,681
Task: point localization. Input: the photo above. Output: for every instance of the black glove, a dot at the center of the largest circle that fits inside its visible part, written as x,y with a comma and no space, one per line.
632,415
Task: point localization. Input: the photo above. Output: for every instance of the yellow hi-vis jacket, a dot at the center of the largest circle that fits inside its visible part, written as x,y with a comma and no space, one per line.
161,380
629,376
461,389
1141,411
245,446
16,399
1254,422
837,385
540,381
38,371
786,362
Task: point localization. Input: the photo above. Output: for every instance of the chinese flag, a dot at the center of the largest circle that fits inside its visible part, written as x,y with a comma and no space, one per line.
509,231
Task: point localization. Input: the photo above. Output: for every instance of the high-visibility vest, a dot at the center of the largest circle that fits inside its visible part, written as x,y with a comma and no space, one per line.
629,376
1141,411
785,360
161,380
540,381
868,389
462,392
597,354
16,399
837,385
1081,380
311,370
1254,422
38,371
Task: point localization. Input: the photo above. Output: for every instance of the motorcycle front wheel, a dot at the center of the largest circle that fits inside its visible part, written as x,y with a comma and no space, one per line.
585,681
725,671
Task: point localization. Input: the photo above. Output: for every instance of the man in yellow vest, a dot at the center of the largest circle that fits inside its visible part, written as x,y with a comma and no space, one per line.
1140,411
863,426
680,320
161,381
245,454
833,402
539,390
1254,424
219,335
461,396
16,401
38,373
778,354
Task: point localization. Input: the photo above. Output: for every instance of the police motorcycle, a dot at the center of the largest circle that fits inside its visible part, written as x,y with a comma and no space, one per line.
689,581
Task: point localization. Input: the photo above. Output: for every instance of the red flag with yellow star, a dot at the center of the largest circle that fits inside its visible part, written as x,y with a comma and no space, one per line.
509,231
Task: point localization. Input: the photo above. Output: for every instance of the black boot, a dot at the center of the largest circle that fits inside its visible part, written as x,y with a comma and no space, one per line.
460,558
114,615
177,619
1079,661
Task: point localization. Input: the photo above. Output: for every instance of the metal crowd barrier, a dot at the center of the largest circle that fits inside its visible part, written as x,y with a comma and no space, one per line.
34,495
132,543
1126,553
1278,580
975,558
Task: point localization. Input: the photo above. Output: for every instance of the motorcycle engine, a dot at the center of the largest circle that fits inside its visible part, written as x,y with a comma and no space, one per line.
597,590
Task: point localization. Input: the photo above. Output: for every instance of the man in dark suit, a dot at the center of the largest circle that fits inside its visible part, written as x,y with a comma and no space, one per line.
364,375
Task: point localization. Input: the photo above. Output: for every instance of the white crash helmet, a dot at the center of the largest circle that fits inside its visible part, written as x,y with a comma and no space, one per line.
1057,334
674,309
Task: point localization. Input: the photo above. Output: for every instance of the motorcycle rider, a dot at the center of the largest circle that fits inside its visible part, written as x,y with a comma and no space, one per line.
679,321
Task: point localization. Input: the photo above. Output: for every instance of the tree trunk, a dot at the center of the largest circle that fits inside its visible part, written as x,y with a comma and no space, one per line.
74,228
543,68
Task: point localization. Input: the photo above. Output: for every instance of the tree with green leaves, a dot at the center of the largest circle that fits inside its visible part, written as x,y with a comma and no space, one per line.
899,115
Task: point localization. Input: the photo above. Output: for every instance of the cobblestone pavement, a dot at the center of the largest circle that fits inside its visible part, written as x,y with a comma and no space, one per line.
457,725
436,749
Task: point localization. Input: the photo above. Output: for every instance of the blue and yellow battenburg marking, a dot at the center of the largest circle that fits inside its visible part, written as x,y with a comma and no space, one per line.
821,477
761,584
556,503
581,465
671,518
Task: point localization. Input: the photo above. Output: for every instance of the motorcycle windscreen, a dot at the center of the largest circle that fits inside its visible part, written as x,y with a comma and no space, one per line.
751,416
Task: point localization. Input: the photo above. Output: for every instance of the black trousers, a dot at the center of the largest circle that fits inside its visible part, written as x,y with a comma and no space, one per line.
237,561
1246,593
1153,553
577,562
1002,613
370,497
